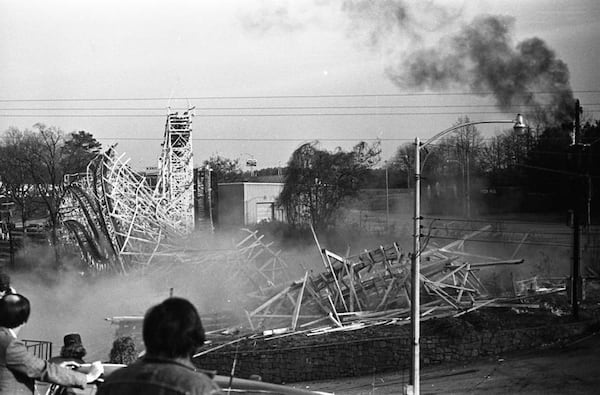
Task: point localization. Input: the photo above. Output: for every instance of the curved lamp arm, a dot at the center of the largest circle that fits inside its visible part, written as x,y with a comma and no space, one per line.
518,125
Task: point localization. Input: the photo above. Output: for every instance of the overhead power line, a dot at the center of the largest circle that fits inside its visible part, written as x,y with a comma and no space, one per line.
257,115
322,96
494,221
200,108
356,139
548,244
533,233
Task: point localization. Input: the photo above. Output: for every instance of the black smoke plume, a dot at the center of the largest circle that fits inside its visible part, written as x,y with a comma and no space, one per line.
481,57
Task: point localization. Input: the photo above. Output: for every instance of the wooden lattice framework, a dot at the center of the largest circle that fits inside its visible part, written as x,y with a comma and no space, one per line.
175,187
116,218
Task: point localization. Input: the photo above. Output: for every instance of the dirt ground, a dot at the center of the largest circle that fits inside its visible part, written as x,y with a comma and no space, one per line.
571,369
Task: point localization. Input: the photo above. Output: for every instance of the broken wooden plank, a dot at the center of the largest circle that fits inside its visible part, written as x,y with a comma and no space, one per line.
299,303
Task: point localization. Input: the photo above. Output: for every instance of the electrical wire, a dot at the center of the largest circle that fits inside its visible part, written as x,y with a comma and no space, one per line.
255,115
267,115
507,242
321,96
258,139
532,233
273,107
487,221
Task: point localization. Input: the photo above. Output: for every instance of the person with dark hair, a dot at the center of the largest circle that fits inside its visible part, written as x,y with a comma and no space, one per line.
72,353
172,332
72,350
5,287
18,367
123,351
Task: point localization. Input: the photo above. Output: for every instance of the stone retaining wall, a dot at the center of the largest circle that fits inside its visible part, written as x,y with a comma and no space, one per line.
300,357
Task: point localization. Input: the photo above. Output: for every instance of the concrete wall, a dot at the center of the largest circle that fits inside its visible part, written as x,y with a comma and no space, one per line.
363,352
245,203
230,206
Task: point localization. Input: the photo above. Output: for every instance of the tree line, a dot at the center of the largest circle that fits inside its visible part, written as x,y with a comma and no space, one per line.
539,170
33,165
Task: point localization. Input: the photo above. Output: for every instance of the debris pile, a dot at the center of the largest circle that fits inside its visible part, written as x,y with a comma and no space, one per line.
373,287
367,289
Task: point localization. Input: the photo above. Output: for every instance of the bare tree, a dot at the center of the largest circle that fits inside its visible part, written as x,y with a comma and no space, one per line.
34,163
16,181
44,151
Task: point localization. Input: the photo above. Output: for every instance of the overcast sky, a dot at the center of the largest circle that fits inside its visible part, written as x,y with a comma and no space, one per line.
264,76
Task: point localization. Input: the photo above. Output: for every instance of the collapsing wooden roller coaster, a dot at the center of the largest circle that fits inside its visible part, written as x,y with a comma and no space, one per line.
118,220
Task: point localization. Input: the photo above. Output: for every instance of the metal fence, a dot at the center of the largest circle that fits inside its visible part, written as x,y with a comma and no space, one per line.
40,348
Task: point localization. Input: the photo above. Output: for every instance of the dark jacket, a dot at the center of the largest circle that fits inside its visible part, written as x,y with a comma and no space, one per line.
19,368
156,376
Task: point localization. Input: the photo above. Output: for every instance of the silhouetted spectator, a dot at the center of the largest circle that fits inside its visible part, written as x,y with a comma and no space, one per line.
172,333
123,351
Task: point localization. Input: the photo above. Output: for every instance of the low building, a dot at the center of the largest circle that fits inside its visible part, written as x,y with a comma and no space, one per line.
247,203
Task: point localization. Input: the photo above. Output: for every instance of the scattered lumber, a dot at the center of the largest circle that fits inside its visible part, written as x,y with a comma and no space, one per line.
373,288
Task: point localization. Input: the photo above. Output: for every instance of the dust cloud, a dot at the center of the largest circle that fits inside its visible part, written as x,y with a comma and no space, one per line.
73,302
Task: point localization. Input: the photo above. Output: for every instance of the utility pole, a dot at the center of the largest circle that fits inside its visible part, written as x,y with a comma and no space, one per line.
468,184
415,306
387,199
209,190
577,149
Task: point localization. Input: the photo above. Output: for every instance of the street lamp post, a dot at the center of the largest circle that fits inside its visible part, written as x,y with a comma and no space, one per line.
518,125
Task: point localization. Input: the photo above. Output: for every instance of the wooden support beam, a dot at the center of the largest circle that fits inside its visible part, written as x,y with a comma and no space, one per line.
316,298
478,306
498,263
385,296
439,280
318,246
270,301
249,319
337,284
463,283
519,245
299,303
218,347
333,309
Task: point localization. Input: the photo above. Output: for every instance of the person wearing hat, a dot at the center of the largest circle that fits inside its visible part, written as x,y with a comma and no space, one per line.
19,368
71,354
72,350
